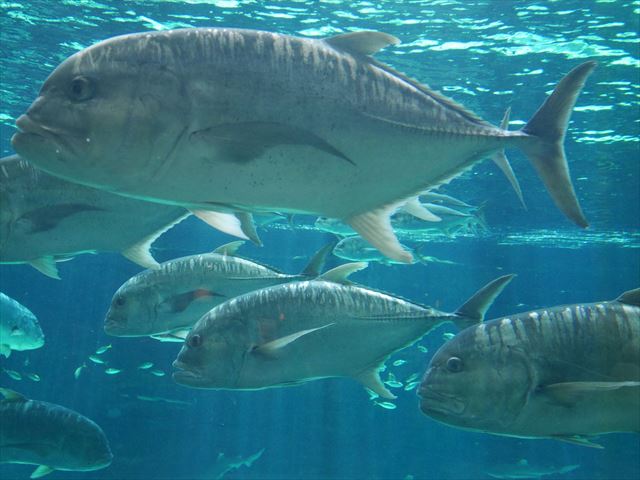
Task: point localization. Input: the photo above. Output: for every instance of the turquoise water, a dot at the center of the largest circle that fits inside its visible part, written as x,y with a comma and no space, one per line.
486,55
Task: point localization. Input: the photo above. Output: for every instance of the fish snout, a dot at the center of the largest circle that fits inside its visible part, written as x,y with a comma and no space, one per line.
114,325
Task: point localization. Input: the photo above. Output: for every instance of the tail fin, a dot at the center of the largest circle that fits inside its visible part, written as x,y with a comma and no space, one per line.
316,264
474,309
546,150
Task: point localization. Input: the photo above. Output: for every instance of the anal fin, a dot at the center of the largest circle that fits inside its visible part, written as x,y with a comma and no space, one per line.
375,228
41,471
370,378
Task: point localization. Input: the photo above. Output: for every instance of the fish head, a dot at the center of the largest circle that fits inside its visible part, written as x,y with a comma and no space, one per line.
115,100
133,311
89,445
21,330
478,388
214,351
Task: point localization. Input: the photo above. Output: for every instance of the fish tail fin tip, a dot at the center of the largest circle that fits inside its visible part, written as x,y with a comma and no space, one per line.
502,162
474,309
632,297
545,149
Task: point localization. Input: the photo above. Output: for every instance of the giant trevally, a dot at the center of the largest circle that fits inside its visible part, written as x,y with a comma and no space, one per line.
564,372
44,218
244,120
178,293
19,327
50,436
302,331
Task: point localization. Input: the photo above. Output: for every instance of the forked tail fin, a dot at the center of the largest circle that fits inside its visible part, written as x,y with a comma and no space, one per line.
545,148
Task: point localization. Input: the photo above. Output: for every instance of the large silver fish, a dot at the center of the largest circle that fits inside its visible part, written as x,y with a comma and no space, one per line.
19,328
244,120
180,291
564,372
49,435
302,331
44,218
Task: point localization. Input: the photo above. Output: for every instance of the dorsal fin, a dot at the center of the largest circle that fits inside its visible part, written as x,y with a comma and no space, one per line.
316,264
632,297
475,308
11,396
229,248
341,273
362,43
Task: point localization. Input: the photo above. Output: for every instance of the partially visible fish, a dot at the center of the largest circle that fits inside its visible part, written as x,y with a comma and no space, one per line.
45,219
19,328
50,436
200,120
177,294
522,469
302,331
564,372
357,249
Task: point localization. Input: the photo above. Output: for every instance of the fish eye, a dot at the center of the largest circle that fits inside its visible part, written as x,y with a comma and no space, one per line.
120,301
194,341
81,89
454,365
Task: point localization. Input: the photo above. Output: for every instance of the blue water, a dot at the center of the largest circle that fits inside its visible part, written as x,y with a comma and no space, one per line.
488,56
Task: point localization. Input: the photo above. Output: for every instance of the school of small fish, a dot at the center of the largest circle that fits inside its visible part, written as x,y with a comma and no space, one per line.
379,144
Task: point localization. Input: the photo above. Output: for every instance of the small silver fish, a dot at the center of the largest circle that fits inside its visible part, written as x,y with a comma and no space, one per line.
13,374
96,359
386,405
79,370
448,336
423,349
112,371
394,384
33,376
157,373
398,363
103,349
411,385
145,365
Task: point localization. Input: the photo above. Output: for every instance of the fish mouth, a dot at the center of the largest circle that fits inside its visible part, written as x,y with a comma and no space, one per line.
111,327
184,376
33,136
434,403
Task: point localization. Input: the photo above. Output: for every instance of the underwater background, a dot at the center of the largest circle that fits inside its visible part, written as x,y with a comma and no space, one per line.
487,55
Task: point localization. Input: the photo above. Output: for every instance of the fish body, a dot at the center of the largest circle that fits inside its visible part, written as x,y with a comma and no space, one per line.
563,372
45,218
245,120
178,293
302,331
49,435
522,469
19,327
357,249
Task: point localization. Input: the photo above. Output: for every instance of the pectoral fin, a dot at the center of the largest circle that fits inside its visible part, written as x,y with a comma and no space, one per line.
179,303
568,393
47,218
5,350
41,471
245,141
272,348
47,266
371,379
577,440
